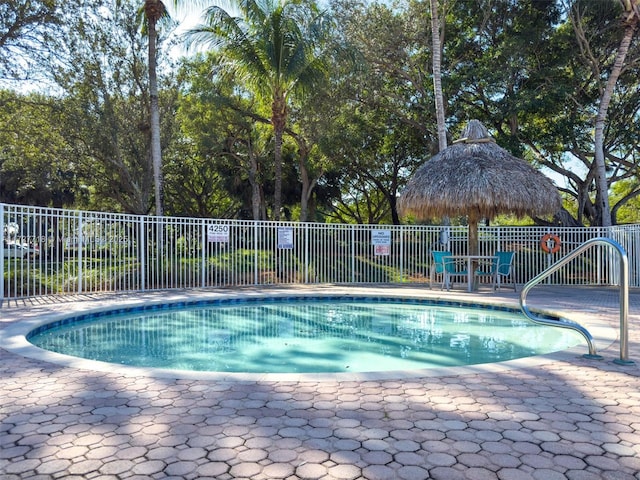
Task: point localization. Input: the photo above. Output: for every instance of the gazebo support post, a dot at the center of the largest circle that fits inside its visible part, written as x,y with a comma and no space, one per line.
473,234
472,243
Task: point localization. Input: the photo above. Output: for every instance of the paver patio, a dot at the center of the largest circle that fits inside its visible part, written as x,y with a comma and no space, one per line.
558,417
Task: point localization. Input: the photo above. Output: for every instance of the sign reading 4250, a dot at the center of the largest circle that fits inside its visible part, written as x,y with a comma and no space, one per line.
218,233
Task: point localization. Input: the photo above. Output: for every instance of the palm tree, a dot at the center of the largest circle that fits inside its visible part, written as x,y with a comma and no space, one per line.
437,37
437,75
154,10
277,49
151,12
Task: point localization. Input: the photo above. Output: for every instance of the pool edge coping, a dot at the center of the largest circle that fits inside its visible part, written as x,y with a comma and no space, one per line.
13,335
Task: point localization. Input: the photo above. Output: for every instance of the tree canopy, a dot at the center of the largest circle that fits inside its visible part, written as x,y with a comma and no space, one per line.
286,108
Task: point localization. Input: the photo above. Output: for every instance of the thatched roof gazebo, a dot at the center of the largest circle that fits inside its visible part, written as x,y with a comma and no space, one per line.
477,178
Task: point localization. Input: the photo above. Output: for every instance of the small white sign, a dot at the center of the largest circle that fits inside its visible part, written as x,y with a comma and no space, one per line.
285,238
382,250
380,237
218,233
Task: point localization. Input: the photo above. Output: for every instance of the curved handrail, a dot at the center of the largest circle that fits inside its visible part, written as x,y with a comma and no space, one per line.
624,298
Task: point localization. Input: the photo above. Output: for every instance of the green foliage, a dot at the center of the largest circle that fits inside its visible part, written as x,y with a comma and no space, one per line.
275,50
553,59
207,171
37,165
106,110
626,201
30,37
384,122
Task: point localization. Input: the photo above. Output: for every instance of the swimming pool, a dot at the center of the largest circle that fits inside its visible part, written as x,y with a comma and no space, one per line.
302,335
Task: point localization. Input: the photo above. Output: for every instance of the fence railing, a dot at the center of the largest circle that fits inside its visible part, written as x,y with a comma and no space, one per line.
53,251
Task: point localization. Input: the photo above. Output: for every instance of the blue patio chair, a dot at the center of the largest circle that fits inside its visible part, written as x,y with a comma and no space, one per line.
501,267
437,266
446,267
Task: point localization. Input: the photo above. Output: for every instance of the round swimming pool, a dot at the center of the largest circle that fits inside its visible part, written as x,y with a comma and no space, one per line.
302,335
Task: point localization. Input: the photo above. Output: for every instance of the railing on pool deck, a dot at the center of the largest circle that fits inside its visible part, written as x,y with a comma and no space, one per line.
624,299
80,252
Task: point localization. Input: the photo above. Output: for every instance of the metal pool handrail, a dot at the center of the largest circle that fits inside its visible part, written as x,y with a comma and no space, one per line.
624,298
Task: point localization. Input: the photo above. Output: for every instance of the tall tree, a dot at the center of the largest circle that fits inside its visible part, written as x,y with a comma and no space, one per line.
106,107
556,58
437,36
385,126
275,47
630,19
153,12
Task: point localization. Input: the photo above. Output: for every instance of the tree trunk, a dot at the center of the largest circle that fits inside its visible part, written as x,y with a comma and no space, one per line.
602,186
307,188
308,184
277,172
255,187
154,114
436,55
437,75
278,119
395,217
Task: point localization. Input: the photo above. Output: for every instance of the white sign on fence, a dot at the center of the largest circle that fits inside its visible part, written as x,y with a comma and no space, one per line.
381,241
380,237
285,238
218,233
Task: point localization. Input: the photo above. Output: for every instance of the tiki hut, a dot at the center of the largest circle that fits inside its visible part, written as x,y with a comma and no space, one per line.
477,178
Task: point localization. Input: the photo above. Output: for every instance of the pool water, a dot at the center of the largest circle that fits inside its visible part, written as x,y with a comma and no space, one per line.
304,336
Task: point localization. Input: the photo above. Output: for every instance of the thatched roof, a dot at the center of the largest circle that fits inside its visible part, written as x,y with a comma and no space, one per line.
477,178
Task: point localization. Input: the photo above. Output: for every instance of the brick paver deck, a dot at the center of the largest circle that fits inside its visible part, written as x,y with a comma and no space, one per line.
562,417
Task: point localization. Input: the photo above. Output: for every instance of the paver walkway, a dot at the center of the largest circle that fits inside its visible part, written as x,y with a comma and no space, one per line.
568,418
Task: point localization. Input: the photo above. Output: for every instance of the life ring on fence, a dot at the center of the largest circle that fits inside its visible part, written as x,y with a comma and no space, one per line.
550,243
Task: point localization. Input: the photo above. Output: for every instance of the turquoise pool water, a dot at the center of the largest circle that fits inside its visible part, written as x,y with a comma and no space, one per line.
307,335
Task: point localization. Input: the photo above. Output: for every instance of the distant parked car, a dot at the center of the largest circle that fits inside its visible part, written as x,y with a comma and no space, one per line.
14,250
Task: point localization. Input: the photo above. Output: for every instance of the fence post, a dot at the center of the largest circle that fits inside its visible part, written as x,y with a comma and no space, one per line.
203,252
255,252
142,253
2,253
353,254
80,244
306,253
401,266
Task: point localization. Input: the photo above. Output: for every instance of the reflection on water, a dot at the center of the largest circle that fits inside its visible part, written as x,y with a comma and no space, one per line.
306,336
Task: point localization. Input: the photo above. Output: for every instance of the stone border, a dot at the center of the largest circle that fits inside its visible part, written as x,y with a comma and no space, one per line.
21,322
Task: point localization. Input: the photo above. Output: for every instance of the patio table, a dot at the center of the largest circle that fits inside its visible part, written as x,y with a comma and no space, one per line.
472,264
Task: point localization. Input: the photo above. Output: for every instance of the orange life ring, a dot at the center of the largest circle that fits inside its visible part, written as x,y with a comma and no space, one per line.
550,243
